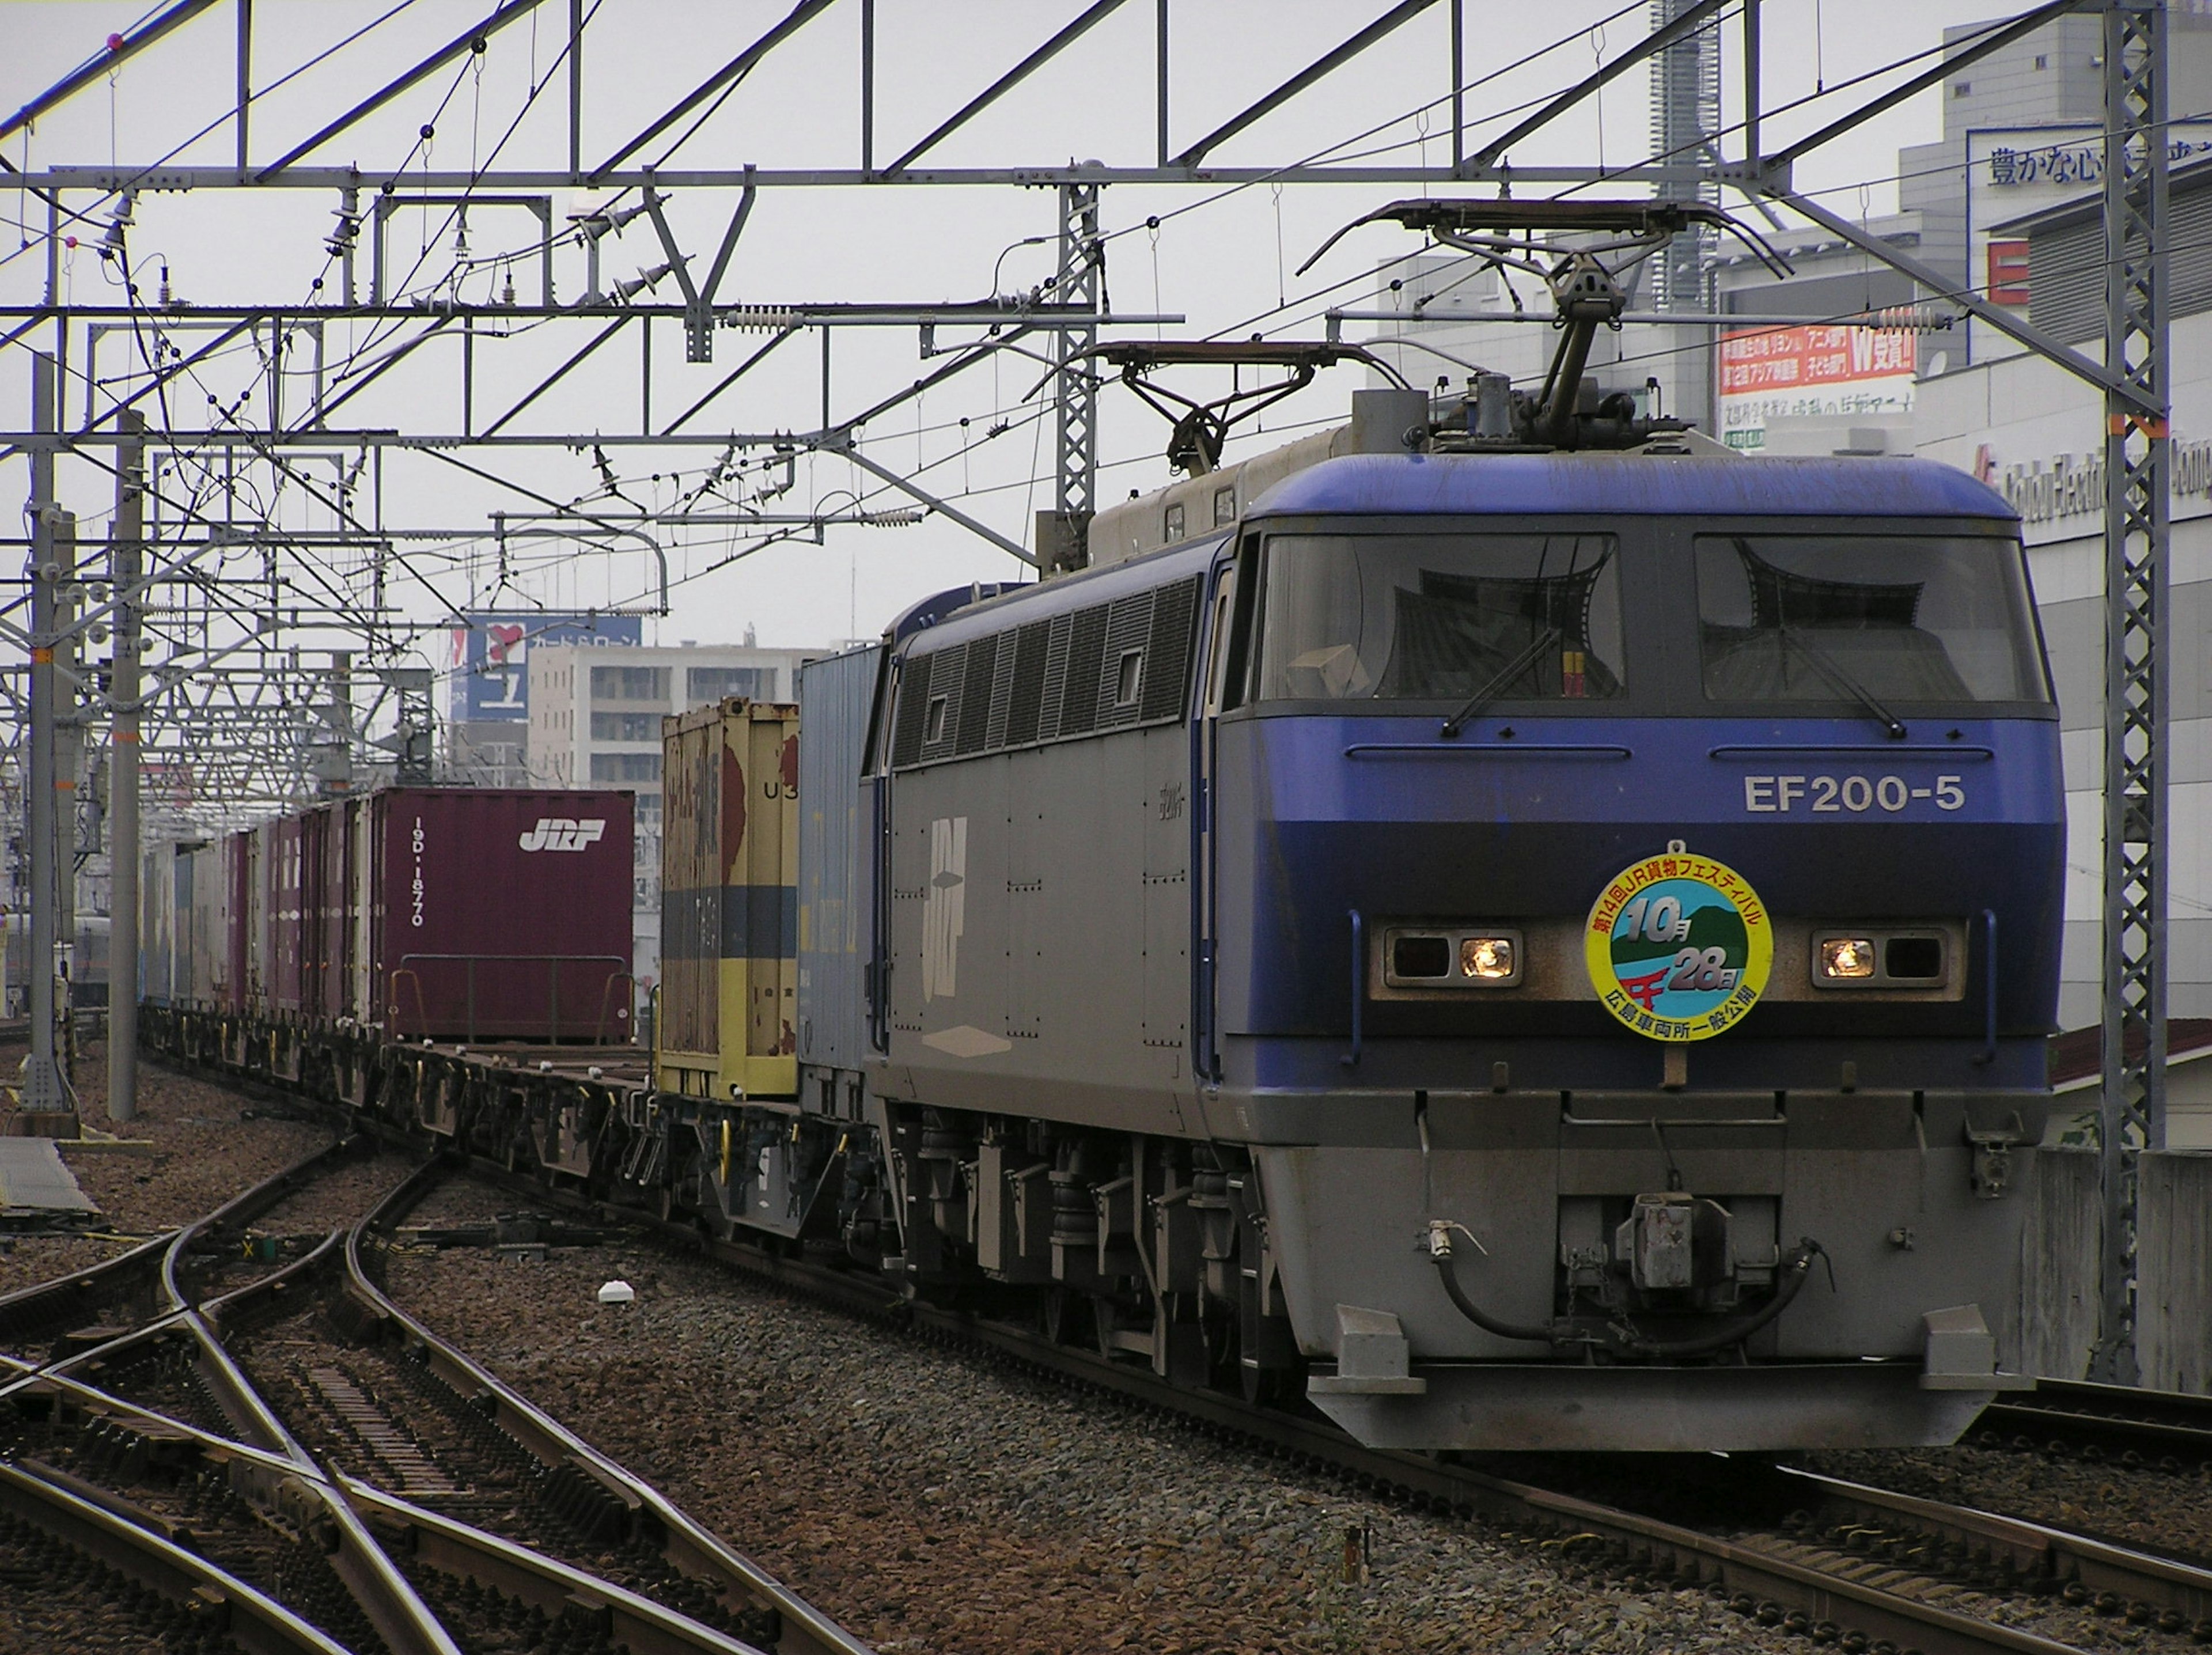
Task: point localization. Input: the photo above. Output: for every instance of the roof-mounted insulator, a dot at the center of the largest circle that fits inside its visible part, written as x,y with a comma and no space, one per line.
759,318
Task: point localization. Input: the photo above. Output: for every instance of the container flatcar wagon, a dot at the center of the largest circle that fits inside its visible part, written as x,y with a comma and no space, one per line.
318,943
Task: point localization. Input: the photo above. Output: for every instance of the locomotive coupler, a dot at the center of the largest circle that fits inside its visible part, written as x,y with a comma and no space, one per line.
1621,1337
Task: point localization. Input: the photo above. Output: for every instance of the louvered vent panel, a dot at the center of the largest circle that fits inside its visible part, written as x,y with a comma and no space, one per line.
975,694
1056,677
946,675
1027,699
1086,650
1002,689
913,708
1128,625
1167,654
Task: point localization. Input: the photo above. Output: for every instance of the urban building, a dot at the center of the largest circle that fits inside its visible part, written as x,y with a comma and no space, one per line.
594,721
2036,432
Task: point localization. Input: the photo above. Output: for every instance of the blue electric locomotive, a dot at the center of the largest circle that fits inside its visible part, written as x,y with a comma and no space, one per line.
1529,948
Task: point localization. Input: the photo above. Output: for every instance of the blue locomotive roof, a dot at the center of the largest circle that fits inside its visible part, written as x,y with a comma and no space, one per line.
1395,485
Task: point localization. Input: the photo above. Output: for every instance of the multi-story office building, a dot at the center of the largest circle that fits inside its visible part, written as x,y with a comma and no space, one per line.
595,722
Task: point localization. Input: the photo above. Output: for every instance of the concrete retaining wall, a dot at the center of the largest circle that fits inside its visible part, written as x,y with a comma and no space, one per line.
2060,1251
2173,1272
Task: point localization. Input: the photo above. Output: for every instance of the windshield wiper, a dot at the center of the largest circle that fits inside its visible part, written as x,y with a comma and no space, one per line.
1512,670
1842,680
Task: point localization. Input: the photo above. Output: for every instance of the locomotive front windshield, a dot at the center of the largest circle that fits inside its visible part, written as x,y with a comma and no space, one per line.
1903,618
1441,617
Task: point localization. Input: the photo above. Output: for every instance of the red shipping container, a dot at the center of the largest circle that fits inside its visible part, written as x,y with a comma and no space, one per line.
497,913
327,879
286,846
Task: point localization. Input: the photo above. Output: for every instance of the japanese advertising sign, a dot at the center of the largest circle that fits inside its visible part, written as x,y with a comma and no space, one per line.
1773,372
487,656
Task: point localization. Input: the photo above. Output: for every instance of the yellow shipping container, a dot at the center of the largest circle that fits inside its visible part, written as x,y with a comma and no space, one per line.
726,1026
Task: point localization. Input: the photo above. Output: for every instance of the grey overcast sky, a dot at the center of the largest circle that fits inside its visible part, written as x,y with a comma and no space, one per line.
1223,258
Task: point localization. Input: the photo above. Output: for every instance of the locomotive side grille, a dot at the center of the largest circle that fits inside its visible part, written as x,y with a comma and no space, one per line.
975,694
1086,652
1128,623
1167,653
941,729
1002,689
1026,701
1056,677
913,709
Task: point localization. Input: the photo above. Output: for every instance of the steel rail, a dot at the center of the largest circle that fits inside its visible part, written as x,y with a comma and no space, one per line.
683,1541
382,1591
636,1623
32,1310
2159,1427
248,1204
432,1538
2173,1595
219,1601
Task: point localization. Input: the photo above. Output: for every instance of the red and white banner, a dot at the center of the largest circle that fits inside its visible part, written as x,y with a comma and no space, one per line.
1780,372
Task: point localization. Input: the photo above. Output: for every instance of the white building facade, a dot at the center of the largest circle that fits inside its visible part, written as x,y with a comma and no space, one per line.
2036,432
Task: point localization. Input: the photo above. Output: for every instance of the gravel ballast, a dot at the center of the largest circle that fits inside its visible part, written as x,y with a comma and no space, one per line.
204,1145
932,1501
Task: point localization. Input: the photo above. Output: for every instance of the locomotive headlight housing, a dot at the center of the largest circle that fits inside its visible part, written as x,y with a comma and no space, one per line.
1451,956
1882,957
1489,959
1846,959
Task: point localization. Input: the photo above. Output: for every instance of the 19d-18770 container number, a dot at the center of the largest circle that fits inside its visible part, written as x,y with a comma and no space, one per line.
1822,794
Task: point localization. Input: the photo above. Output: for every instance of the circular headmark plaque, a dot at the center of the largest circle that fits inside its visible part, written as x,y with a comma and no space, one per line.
1678,947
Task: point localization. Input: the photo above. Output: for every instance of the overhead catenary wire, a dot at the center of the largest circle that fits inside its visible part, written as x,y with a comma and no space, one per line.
363,359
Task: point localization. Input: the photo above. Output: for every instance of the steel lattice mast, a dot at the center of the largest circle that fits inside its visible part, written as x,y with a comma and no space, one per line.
1081,282
2137,506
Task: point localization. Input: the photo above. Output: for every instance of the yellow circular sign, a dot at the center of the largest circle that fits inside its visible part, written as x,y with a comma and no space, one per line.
1678,947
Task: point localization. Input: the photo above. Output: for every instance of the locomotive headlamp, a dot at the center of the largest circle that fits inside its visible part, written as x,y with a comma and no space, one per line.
1490,959
1847,958
1453,959
1909,957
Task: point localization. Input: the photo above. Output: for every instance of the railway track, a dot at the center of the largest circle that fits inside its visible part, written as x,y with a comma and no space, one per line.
307,1491
2130,1427
1853,1567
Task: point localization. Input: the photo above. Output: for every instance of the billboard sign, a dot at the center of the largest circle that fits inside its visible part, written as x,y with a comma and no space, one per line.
1772,373
487,656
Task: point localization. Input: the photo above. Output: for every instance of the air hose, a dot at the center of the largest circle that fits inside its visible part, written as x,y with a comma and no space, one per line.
1795,1267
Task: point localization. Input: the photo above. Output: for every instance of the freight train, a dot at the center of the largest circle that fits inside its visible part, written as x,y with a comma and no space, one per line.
1512,946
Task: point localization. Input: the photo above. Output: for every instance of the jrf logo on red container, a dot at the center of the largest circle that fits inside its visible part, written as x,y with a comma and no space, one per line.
564,833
